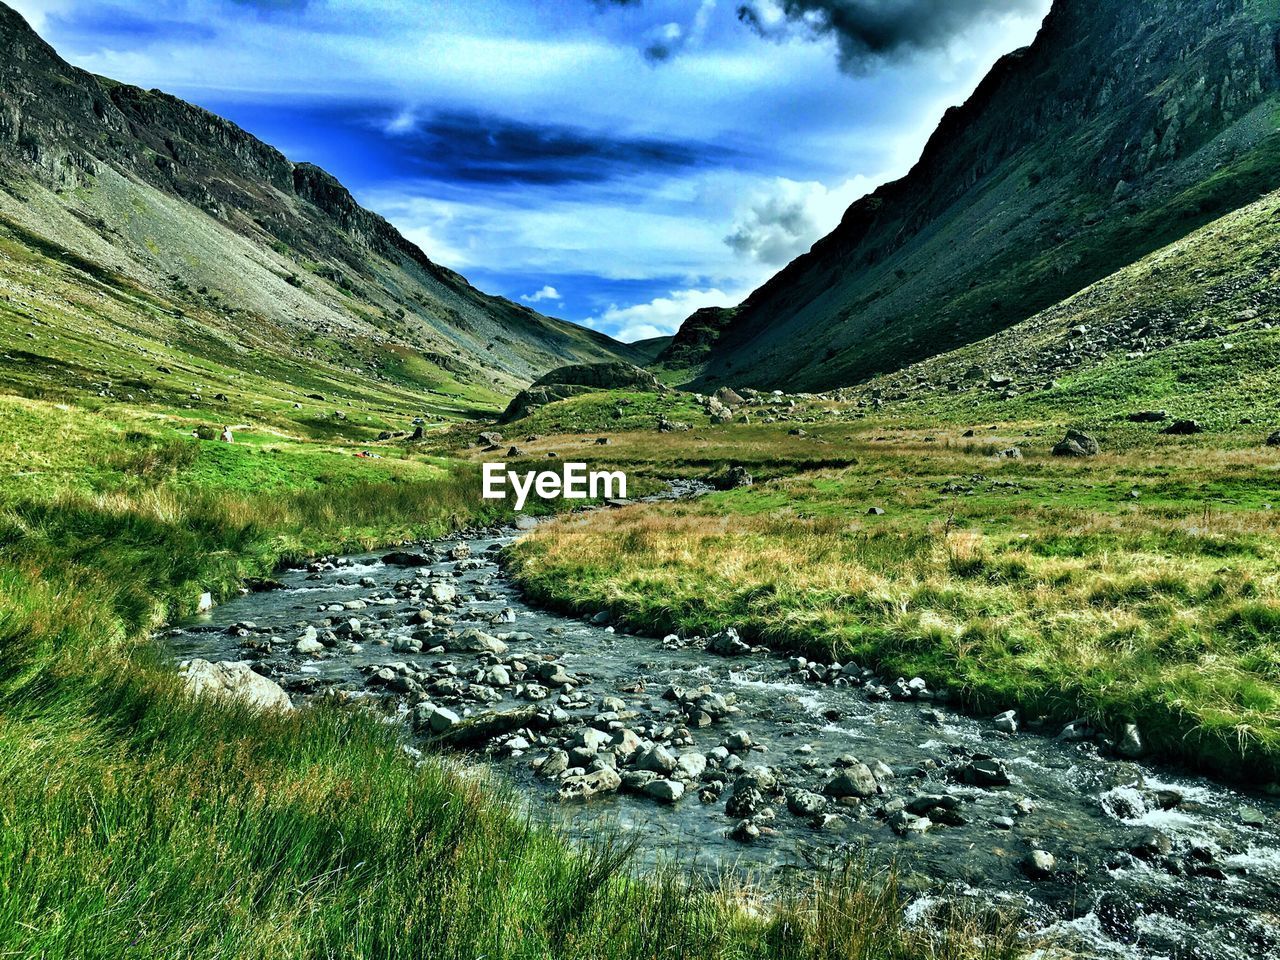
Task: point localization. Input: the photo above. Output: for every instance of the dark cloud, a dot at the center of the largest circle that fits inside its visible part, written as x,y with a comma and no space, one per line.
477,148
871,30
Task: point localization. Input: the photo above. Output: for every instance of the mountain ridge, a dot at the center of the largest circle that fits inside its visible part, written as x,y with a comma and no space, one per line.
1119,129
80,150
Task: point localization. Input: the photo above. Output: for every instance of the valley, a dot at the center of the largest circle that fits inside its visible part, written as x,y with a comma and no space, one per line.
938,616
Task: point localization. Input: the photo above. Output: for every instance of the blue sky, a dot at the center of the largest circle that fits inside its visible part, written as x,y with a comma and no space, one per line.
619,163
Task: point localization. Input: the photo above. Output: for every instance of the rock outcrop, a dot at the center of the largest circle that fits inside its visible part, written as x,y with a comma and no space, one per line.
575,379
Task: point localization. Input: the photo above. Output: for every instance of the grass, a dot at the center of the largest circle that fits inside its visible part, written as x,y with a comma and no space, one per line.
1134,587
136,822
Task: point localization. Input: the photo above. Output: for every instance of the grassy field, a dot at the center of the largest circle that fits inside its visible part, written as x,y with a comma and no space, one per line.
139,823
1138,586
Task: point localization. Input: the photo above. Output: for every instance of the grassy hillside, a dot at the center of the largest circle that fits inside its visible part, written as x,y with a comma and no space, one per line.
1192,329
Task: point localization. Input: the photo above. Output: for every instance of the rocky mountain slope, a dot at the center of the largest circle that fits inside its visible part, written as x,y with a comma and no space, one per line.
271,256
1190,332
1123,127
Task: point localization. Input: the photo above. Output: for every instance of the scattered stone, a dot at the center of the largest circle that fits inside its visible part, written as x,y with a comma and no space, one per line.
1183,428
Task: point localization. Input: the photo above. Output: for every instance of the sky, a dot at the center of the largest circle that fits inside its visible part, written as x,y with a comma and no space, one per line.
617,163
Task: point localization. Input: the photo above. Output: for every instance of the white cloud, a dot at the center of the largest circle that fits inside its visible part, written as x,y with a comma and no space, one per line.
785,218
546,293
36,12
661,316
432,242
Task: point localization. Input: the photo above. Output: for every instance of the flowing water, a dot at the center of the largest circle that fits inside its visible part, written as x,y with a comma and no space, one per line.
1148,862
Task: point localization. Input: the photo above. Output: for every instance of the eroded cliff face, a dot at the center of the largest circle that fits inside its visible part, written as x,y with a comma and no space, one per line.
1125,125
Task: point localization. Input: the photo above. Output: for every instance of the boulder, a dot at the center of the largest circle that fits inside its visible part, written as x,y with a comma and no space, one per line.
985,772
804,803
1183,428
854,781
475,641
729,397
732,478
1076,444
1007,722
234,680
727,643
1274,439
658,760
442,592
1039,864
439,720
665,791
590,784
402,558
1130,743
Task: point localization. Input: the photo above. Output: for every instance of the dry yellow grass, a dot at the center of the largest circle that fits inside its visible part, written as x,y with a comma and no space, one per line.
1046,586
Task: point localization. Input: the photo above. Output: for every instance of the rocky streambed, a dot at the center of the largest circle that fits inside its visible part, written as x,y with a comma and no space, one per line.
733,758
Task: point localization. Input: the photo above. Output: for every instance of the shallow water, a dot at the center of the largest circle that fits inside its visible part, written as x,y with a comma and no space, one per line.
1213,894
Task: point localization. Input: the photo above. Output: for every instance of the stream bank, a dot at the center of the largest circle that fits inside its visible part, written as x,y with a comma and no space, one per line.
731,758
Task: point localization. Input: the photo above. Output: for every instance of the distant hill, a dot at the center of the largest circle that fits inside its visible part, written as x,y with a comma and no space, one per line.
1125,125
231,237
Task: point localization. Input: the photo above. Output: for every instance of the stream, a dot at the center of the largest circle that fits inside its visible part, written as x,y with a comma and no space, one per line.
743,760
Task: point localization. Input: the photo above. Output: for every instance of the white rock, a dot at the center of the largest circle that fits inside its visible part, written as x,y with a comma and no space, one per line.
234,680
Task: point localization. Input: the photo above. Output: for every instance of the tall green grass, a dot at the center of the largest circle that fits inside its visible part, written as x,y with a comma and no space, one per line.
135,822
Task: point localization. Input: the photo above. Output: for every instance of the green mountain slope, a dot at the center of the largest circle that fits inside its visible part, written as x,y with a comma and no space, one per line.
238,249
1191,331
1122,128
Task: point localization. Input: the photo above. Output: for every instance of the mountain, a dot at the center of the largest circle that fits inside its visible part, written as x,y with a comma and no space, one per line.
1188,332
260,253
1124,126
